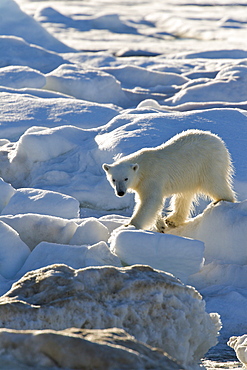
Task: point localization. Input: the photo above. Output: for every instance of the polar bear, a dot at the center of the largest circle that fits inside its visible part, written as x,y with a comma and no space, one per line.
191,163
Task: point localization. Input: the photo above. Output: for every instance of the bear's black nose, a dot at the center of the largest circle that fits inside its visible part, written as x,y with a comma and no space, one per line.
120,193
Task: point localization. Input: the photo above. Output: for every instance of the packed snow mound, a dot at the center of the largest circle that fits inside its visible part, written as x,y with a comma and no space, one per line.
125,86
76,256
40,144
132,76
131,298
32,241
16,51
34,228
13,251
17,23
19,77
180,256
25,111
229,85
220,227
90,231
76,242
111,22
86,84
42,202
6,192
239,344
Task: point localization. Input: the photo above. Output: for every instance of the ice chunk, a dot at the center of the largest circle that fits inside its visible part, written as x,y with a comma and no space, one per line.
90,231
16,51
229,85
6,192
18,112
13,251
35,228
15,22
223,229
113,221
132,76
43,202
76,256
19,77
99,254
153,306
40,144
239,344
87,84
179,256
99,349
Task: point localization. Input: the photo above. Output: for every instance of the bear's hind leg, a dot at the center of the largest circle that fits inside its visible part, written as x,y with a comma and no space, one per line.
223,192
181,205
218,182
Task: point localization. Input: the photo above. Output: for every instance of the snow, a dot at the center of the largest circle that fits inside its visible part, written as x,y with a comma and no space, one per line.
42,202
17,51
13,251
132,298
230,217
83,83
90,85
34,228
240,346
16,22
180,256
90,231
19,77
228,85
76,256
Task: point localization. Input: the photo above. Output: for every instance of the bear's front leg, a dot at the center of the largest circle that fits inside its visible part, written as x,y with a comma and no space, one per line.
146,211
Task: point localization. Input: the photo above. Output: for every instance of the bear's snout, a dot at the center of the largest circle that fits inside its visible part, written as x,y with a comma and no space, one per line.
120,193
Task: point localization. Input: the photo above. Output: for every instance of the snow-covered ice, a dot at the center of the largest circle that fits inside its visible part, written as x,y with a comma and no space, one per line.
42,202
240,346
180,256
83,83
132,298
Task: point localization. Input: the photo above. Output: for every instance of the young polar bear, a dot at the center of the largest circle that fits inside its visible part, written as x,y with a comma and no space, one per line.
191,163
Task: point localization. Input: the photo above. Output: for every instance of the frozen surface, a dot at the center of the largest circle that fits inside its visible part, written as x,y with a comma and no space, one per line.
179,256
17,51
13,251
99,349
81,83
90,231
15,22
19,77
133,299
76,256
239,344
42,202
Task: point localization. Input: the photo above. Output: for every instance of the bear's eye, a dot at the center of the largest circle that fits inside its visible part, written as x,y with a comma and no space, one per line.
126,179
113,180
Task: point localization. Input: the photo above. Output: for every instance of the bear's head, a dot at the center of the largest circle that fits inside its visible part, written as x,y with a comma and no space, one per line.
121,176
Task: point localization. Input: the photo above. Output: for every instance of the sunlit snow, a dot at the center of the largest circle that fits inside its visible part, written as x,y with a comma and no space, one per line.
83,82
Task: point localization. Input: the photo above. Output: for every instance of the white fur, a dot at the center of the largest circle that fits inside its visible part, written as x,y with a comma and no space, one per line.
191,163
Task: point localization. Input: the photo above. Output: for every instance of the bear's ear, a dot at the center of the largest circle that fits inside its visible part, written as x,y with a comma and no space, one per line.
106,167
135,167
